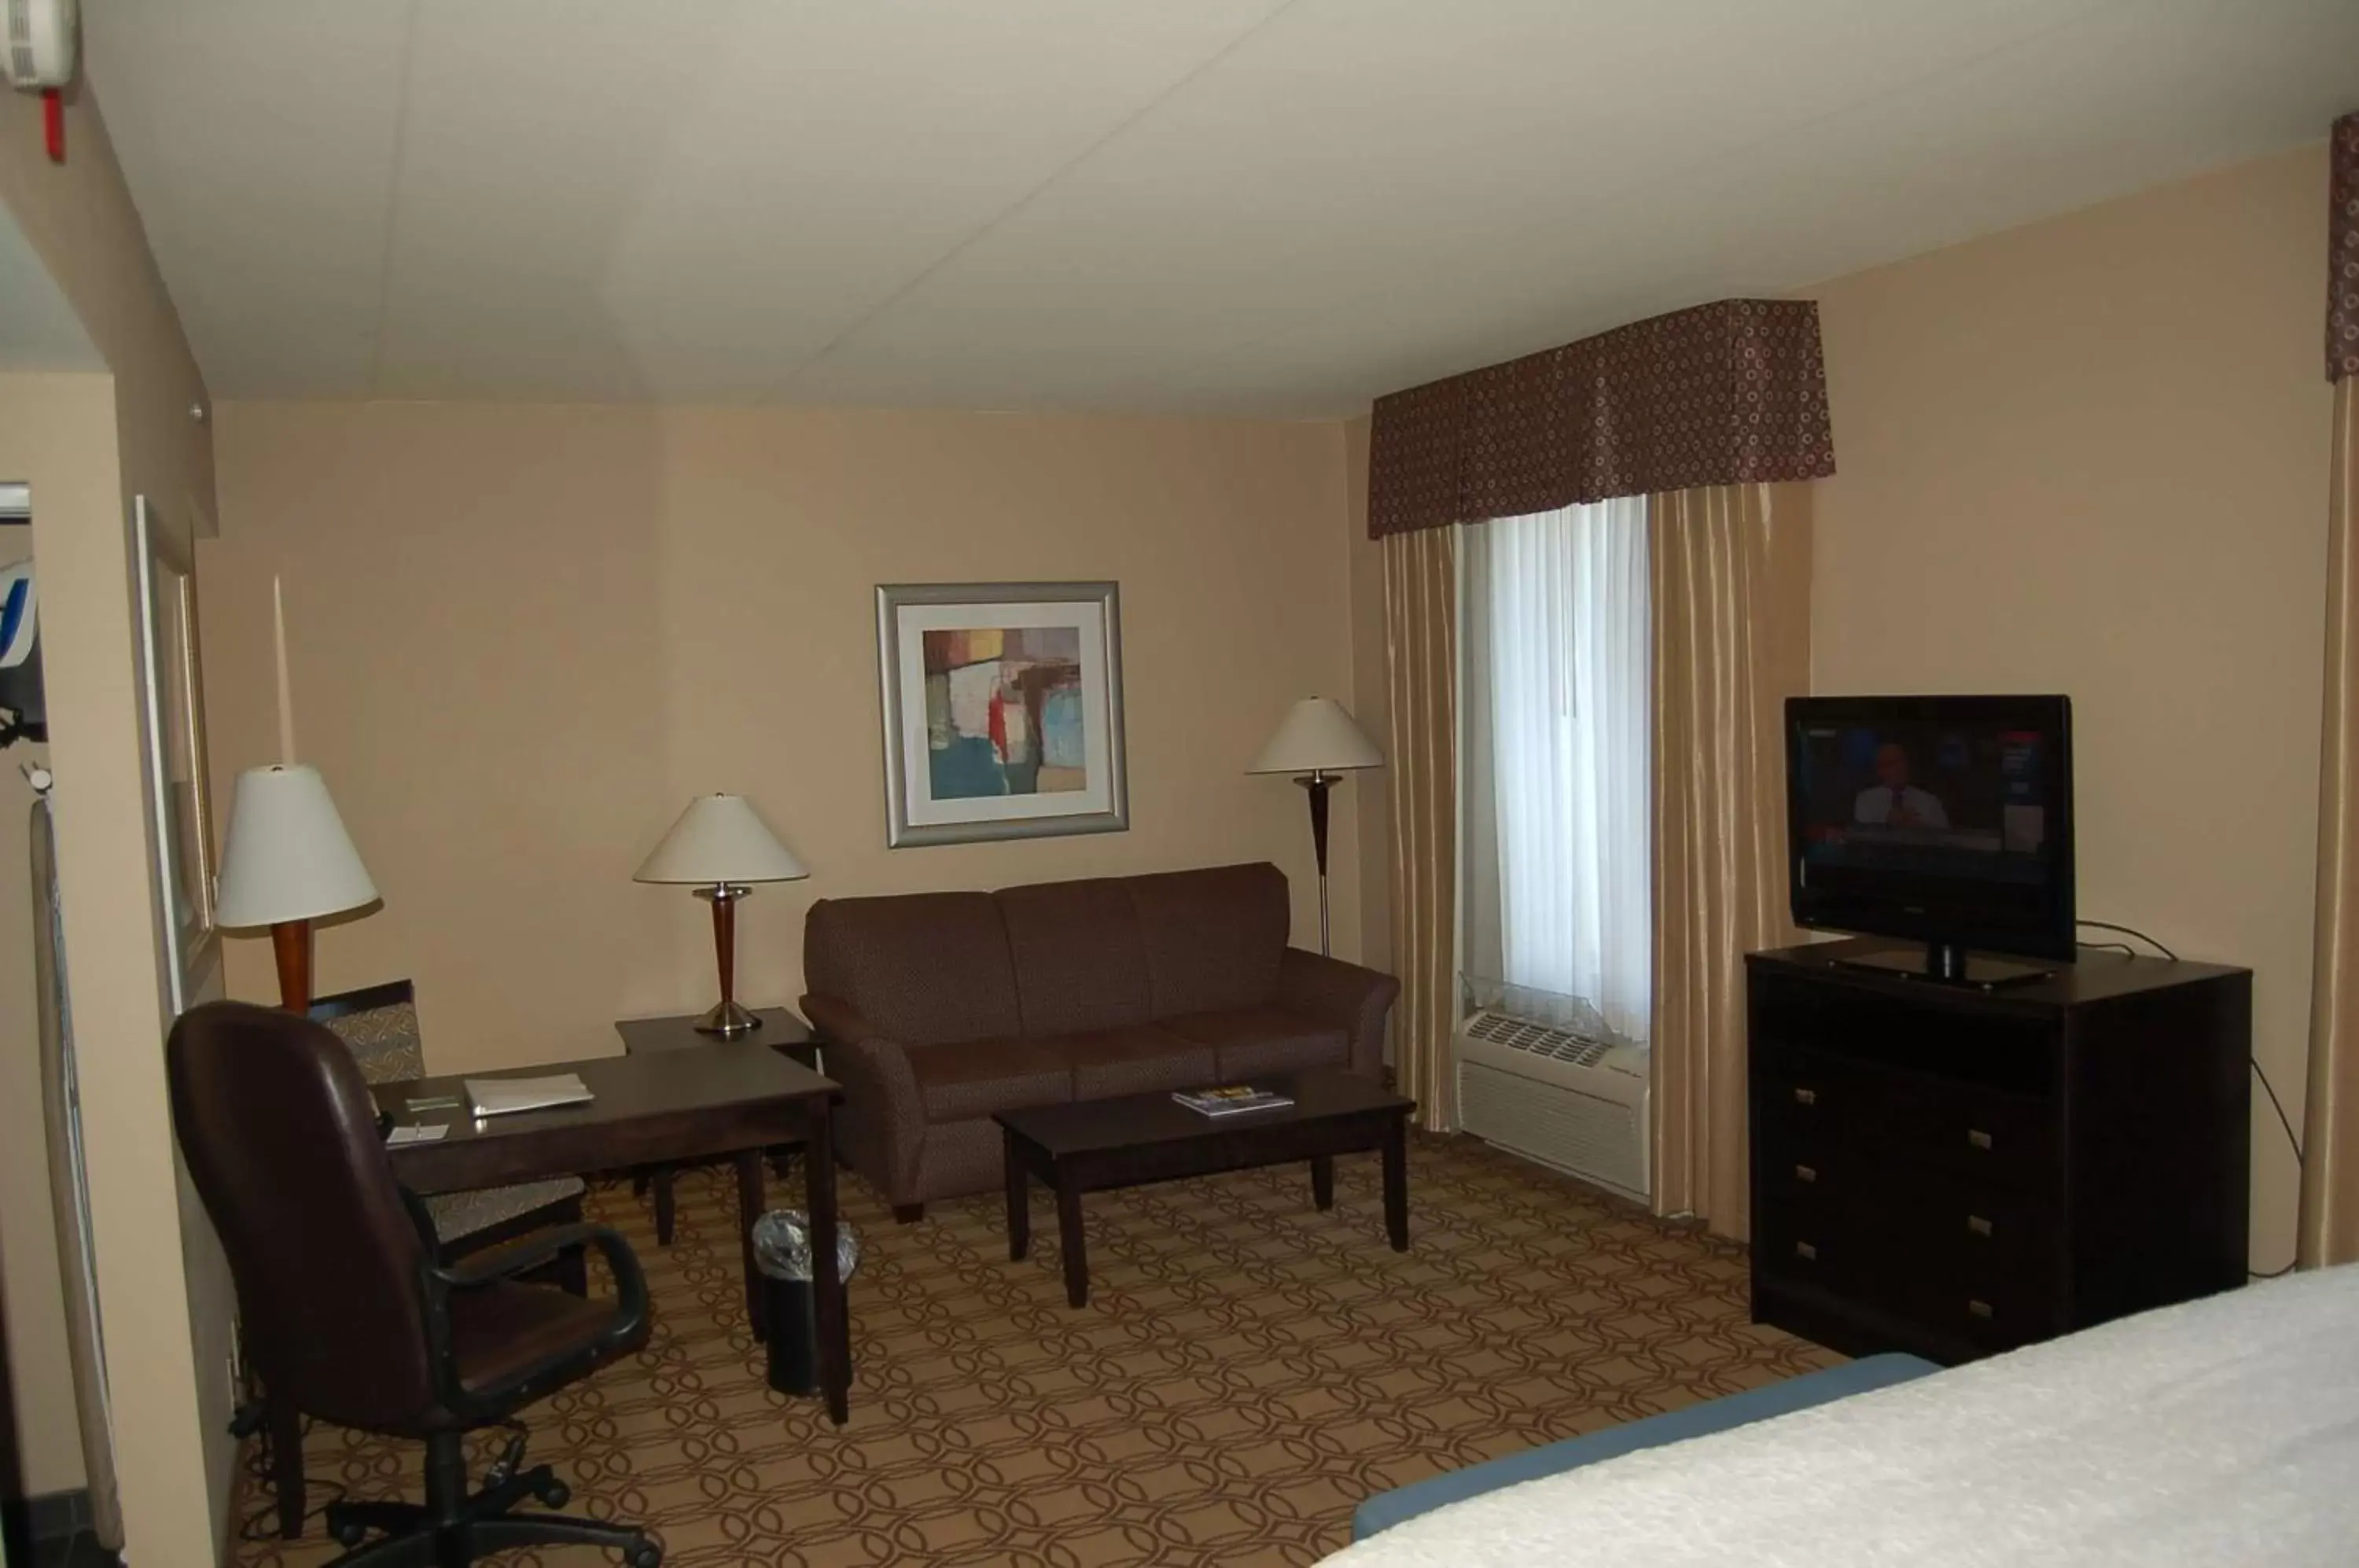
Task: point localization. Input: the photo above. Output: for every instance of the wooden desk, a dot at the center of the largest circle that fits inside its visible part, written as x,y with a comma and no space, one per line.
782,1030
734,1098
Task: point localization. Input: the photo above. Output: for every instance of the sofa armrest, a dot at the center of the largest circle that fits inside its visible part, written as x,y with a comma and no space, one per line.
882,1124
1342,996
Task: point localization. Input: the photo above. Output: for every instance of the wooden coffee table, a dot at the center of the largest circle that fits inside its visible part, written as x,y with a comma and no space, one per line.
1087,1146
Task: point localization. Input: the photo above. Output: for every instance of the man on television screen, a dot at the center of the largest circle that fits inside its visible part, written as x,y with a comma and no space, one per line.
1893,801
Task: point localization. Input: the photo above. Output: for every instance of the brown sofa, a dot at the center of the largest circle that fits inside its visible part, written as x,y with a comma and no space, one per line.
937,1009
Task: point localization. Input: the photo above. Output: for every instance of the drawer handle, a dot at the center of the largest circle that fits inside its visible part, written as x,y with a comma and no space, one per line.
1980,1309
1805,1173
1978,1225
1806,1097
1805,1250
1979,1138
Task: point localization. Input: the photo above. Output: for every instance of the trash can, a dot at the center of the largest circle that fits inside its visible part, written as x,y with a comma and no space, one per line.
782,1252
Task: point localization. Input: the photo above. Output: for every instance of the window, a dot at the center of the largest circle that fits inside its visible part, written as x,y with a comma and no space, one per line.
1555,896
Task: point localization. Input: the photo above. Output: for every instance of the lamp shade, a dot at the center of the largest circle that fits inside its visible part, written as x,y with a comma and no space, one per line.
288,857
720,838
1317,737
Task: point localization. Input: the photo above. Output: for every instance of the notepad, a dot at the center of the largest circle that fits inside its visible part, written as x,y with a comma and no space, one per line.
505,1097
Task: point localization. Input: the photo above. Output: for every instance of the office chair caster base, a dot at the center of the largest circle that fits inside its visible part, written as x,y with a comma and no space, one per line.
456,1527
351,1522
475,1540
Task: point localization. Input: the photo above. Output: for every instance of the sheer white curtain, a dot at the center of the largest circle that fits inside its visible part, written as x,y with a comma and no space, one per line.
1555,886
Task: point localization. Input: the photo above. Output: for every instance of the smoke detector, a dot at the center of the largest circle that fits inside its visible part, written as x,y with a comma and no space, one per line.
41,43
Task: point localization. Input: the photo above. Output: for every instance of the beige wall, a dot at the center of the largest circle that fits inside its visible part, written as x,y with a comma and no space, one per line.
522,637
163,1289
2090,456
39,1374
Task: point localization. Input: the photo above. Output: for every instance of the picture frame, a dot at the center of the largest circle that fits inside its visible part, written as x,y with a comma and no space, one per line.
172,736
1002,711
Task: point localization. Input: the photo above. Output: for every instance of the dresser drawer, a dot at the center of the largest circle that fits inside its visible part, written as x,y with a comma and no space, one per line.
1915,1261
1975,1227
1997,1313
1934,1032
1828,1181
1816,1099
1815,1246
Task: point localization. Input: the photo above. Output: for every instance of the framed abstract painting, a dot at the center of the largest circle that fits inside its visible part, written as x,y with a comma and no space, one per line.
1003,709
173,740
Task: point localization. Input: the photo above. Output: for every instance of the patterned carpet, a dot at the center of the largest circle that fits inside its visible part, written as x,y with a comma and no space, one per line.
1248,1369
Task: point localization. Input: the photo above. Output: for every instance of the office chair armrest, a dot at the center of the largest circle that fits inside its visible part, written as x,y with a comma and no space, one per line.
505,1263
529,1252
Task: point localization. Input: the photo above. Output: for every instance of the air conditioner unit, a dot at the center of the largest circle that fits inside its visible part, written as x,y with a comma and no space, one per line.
1567,1100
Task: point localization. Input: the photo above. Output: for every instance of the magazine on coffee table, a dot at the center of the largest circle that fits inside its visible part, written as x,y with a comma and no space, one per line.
1230,1100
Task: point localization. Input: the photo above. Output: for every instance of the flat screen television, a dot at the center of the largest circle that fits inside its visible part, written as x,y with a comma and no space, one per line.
1943,819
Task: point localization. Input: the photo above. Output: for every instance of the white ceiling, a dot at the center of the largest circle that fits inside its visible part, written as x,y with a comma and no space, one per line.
1241,206
38,328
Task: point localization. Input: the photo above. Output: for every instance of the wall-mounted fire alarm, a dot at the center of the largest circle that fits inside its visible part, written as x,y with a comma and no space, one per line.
41,43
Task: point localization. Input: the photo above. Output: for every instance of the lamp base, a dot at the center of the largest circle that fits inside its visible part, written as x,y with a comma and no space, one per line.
728,1020
1316,786
291,946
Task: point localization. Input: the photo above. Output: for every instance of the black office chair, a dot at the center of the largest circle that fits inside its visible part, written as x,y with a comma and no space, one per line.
349,1317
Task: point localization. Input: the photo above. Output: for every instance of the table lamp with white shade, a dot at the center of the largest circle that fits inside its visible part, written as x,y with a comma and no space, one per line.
721,845
288,862
1318,742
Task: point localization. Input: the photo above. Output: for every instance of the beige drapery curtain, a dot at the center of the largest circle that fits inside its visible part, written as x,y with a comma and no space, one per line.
2329,1225
1422,678
1730,579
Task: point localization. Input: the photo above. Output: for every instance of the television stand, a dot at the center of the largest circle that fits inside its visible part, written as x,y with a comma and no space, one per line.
1948,964
1955,1172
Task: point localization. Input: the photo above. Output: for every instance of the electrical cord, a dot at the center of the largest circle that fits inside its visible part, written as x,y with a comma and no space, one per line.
2292,1140
2129,931
262,1524
2286,1122
2125,949
2283,1120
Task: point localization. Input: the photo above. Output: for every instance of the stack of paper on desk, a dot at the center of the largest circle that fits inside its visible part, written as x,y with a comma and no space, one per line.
502,1096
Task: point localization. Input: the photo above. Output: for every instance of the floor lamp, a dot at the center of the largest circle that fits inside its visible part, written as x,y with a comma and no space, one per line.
288,862
1318,743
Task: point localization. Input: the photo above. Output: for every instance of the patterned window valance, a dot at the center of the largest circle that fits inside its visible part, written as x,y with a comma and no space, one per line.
1730,393
2342,255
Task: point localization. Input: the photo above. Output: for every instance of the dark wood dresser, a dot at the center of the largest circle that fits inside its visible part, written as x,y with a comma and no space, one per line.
1955,1172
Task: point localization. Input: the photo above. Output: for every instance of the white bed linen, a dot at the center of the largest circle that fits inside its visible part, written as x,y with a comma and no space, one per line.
2223,1432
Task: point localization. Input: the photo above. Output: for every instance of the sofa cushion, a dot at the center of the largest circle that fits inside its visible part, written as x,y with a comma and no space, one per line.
1079,961
1106,1062
922,968
1247,1041
976,1077
1213,937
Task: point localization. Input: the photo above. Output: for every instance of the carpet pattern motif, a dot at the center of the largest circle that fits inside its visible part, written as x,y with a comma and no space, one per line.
1248,1369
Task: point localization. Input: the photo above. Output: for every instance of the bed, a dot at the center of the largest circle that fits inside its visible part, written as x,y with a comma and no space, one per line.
2223,1432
